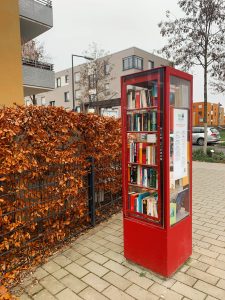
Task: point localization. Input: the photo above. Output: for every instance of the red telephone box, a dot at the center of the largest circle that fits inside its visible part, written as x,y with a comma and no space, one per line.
157,167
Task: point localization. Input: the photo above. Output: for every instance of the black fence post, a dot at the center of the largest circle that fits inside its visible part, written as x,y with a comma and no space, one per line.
91,191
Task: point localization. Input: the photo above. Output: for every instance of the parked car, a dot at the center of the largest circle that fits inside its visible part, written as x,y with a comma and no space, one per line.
213,135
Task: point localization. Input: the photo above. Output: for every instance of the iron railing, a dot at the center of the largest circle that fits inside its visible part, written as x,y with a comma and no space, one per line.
37,64
39,211
45,2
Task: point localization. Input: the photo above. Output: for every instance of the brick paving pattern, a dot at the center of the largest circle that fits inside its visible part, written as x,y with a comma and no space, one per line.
93,267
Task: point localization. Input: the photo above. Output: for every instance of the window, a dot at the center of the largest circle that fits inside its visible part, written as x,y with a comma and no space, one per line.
200,113
77,77
132,62
128,63
198,129
66,97
151,64
92,97
52,103
107,69
107,92
200,106
138,62
43,102
58,82
92,81
66,78
77,94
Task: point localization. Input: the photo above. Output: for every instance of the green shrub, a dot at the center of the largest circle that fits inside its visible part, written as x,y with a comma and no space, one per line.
216,156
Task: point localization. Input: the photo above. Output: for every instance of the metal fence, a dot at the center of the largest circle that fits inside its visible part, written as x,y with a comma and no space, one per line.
45,2
37,64
40,210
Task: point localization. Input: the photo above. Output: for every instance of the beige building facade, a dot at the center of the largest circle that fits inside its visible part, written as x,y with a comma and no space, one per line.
124,62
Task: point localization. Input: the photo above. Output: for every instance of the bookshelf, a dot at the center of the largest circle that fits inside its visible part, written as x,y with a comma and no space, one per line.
156,168
142,153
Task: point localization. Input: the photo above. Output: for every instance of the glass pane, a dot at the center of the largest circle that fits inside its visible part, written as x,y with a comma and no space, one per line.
143,149
179,149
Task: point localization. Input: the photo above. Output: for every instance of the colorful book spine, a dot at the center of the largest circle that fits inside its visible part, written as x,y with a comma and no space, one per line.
142,98
137,99
153,120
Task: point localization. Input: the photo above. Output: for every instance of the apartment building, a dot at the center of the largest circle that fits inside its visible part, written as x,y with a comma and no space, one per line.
123,62
215,113
20,22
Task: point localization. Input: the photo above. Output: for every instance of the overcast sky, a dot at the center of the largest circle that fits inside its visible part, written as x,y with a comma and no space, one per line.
114,25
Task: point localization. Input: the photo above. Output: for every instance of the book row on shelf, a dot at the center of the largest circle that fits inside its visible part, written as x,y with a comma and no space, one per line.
141,153
142,98
145,203
143,176
143,121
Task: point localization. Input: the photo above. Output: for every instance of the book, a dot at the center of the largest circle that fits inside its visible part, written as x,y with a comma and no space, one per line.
145,177
150,206
153,120
143,98
151,138
139,177
133,174
145,121
137,99
144,146
173,213
139,201
129,98
140,149
133,201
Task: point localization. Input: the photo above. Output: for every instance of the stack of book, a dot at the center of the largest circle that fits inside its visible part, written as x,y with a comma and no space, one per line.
141,153
142,176
143,121
142,98
145,203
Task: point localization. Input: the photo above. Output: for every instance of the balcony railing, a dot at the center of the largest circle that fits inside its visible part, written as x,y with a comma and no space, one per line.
37,64
45,2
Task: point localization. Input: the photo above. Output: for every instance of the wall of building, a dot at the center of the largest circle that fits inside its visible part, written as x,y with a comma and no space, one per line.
116,60
215,113
11,83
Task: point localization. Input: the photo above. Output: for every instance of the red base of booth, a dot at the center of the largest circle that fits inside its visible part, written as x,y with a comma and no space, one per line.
160,250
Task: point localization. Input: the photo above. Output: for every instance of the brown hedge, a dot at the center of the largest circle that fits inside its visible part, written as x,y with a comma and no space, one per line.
49,144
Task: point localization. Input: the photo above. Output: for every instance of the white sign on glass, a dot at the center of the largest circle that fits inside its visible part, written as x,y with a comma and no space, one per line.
180,143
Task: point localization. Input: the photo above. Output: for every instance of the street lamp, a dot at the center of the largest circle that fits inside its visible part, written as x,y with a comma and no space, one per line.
85,57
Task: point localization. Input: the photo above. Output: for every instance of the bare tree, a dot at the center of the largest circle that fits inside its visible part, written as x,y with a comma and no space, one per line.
95,77
198,39
33,50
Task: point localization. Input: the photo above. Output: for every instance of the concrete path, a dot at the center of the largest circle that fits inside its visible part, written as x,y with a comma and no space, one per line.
93,267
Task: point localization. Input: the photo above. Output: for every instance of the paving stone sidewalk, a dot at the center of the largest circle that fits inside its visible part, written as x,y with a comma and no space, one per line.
93,267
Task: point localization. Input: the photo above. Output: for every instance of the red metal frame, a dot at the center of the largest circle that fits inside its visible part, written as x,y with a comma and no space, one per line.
156,245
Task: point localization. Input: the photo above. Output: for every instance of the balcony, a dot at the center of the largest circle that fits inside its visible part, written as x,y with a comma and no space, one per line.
38,77
36,17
